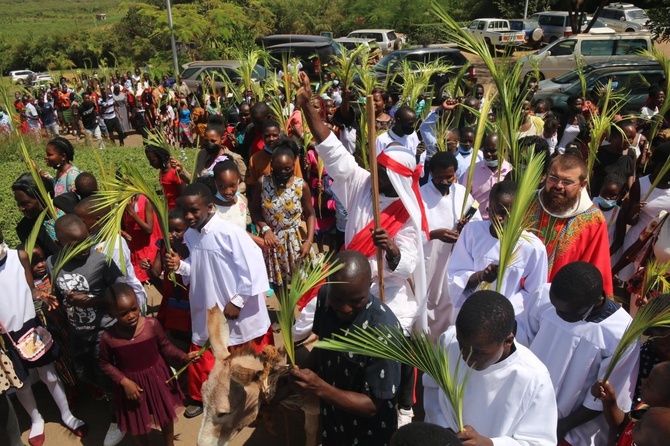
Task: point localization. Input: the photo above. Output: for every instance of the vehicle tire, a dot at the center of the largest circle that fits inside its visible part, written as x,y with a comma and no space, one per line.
20,82
491,47
536,35
630,30
397,45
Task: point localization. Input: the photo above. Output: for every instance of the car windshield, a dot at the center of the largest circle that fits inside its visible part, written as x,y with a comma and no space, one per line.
388,61
637,14
572,76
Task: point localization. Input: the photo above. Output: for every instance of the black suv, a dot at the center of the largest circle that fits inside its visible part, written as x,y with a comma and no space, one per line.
314,56
391,65
632,79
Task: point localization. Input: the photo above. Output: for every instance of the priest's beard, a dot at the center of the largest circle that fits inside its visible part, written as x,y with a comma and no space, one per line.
557,204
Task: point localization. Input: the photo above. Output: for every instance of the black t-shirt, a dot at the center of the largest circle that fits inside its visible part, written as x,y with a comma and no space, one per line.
608,162
87,113
377,378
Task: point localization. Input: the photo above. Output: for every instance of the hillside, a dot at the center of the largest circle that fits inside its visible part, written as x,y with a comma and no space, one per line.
24,18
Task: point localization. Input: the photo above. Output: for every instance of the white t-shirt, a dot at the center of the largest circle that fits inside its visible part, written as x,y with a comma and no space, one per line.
236,214
410,141
17,306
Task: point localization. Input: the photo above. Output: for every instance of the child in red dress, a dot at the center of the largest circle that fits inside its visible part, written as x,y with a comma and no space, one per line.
132,354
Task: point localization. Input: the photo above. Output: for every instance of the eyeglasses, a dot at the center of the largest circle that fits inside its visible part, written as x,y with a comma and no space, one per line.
552,179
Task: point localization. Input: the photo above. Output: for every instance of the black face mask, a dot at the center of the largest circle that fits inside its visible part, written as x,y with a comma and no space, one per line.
442,187
282,178
211,147
407,129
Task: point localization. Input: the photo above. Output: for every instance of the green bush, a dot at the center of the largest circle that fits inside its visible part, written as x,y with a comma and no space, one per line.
12,166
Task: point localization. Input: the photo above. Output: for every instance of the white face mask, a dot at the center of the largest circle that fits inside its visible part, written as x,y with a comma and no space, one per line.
3,251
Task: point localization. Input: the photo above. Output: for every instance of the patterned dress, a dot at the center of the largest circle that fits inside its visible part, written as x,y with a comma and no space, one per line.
282,210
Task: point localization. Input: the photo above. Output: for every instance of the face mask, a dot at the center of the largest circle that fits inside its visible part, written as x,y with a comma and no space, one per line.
462,151
407,129
282,178
492,163
220,197
211,147
604,204
3,251
615,84
442,187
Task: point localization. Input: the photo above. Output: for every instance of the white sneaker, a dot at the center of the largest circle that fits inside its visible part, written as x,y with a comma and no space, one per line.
404,417
114,435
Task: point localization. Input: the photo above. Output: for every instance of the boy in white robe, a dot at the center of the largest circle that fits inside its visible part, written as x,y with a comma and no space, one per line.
476,255
509,399
222,269
575,339
443,200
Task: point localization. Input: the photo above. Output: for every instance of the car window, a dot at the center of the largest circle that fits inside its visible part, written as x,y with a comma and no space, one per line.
598,47
630,46
190,72
605,14
391,35
473,25
481,25
637,14
640,82
564,48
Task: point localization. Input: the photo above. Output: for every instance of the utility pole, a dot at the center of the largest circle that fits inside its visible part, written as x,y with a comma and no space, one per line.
172,42
525,11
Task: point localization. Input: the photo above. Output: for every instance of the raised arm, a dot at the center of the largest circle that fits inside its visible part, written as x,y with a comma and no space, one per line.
319,129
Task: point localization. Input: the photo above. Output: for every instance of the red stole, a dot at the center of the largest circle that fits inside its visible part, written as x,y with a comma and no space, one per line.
393,218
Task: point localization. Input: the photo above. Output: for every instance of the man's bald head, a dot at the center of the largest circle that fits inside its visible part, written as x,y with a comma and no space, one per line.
355,267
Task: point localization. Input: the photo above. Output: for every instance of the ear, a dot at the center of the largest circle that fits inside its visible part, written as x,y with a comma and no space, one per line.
217,325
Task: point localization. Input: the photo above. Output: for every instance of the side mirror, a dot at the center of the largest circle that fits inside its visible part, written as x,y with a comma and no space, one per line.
623,19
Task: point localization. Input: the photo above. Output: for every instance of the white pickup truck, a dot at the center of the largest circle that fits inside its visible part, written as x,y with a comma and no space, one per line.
496,33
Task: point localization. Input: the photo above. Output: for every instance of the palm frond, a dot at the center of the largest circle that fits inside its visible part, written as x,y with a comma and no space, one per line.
518,219
66,255
249,60
654,279
31,241
368,80
482,123
610,105
509,85
345,64
362,139
661,174
116,197
417,351
416,79
663,60
305,278
655,314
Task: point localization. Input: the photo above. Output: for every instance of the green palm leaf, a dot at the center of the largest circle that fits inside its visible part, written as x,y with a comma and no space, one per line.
518,219
305,278
417,351
655,314
29,245
345,64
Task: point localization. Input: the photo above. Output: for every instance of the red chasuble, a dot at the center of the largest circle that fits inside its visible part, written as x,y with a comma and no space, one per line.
579,238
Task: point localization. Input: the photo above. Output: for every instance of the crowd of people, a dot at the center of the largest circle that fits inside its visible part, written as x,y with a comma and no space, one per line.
259,196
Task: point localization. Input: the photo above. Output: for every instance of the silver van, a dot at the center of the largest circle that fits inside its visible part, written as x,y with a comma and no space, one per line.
556,25
563,55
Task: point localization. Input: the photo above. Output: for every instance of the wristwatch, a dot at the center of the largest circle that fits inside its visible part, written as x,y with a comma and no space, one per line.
265,229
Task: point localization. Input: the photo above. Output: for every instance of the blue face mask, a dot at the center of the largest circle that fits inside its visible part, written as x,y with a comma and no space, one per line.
462,151
604,204
492,163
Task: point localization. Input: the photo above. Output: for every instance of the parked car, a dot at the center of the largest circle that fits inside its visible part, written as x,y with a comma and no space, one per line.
20,76
387,39
40,79
625,17
533,32
315,57
196,72
561,56
556,25
351,43
496,33
391,65
631,78
280,39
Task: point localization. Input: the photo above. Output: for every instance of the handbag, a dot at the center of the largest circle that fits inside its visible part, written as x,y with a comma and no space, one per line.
33,344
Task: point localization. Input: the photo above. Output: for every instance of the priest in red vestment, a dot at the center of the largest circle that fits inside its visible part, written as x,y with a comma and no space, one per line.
566,220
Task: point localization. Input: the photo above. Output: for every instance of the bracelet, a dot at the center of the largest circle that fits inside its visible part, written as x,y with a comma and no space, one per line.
265,229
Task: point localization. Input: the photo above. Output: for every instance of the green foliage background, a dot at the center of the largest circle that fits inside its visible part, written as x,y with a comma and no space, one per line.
12,166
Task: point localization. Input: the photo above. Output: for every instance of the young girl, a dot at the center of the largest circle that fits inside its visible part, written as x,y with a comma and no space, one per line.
175,311
217,145
170,178
279,203
140,224
132,354
608,203
59,156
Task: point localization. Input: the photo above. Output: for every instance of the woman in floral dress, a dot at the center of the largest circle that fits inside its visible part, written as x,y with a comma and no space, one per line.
277,209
